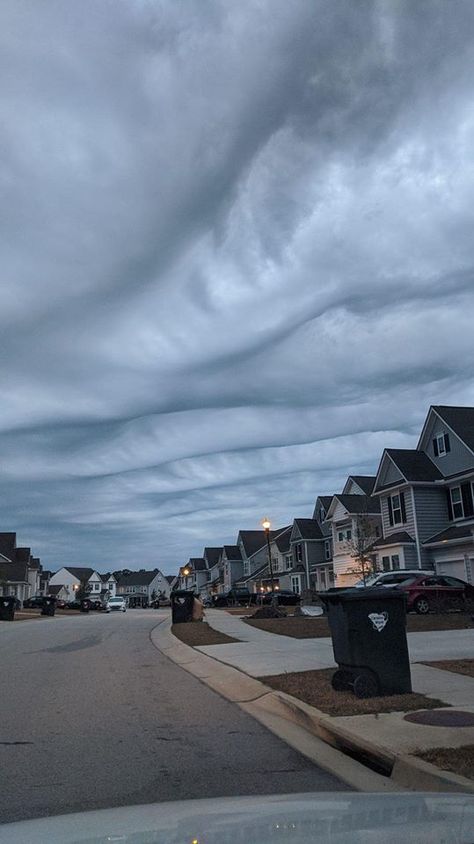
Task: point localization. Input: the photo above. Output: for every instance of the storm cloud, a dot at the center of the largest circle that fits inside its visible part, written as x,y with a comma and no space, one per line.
237,260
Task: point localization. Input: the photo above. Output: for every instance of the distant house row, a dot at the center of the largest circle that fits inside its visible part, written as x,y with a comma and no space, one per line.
417,511
21,573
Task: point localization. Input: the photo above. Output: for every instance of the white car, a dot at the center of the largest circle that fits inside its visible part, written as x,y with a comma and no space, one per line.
114,604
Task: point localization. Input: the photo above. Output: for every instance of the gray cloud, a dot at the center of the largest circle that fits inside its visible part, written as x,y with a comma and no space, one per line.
237,260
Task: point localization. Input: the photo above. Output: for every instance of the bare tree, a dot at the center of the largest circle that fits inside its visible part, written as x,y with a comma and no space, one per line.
361,551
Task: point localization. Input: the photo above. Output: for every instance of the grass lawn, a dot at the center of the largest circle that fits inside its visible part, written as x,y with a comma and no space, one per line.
314,687
457,666
197,633
308,628
458,760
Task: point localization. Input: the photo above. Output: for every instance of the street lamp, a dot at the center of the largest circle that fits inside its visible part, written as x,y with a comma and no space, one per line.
266,524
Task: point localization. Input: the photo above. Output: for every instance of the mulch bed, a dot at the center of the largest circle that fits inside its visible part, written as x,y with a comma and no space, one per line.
458,760
314,687
196,633
316,628
456,666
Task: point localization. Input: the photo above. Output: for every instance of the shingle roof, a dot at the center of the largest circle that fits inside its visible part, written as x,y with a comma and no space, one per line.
460,532
232,552
460,420
212,555
414,465
8,544
137,578
325,500
309,528
253,540
23,555
53,590
14,572
282,541
80,572
366,482
198,563
170,578
359,503
399,538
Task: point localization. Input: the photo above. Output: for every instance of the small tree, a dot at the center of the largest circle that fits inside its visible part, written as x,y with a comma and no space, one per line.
361,550
154,595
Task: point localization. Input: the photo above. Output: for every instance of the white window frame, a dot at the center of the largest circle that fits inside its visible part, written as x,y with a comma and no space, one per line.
289,561
327,549
296,582
440,442
246,568
456,503
392,558
299,552
396,509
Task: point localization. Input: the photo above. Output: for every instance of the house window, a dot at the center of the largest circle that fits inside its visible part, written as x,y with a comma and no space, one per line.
322,514
395,561
441,445
386,563
456,502
299,553
340,536
327,549
348,534
344,535
296,583
396,509
246,567
289,561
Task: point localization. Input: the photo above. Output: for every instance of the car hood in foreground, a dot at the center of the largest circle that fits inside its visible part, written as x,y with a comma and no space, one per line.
335,818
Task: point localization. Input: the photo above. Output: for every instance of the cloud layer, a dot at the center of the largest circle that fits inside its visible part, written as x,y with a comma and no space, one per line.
237,260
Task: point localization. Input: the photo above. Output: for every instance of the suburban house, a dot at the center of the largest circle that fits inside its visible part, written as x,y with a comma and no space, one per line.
44,582
213,558
426,497
20,572
142,587
77,578
356,524
307,544
254,552
59,592
232,565
172,582
109,585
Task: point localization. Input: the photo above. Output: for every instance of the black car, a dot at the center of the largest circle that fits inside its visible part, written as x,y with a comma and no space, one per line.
33,603
234,597
73,605
283,596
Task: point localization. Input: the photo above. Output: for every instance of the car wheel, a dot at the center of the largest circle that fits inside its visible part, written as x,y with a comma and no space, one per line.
422,605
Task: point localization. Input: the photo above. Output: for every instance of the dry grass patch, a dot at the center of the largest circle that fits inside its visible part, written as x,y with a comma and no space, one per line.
197,633
314,687
299,627
458,760
456,666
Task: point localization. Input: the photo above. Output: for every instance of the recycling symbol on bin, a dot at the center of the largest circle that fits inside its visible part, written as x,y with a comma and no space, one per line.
379,620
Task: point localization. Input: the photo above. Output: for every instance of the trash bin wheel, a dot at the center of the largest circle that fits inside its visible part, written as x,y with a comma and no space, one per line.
366,685
342,680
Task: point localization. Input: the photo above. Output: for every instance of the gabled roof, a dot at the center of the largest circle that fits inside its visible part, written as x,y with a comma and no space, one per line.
53,590
212,555
232,552
414,466
14,572
460,420
401,537
252,540
138,578
8,545
23,555
452,534
106,577
366,482
282,541
197,563
171,578
80,572
309,528
357,504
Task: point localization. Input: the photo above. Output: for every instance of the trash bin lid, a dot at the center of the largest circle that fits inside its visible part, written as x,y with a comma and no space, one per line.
383,593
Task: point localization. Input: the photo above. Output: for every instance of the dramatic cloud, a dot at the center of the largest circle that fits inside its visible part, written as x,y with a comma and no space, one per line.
236,260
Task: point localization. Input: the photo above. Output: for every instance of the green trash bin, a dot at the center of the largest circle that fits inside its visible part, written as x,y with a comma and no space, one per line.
368,629
49,606
182,606
7,608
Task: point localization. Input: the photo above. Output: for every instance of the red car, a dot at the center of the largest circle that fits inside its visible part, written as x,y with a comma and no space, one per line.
436,592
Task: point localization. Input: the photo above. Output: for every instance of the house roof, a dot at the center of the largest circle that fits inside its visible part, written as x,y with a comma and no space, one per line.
399,538
252,540
414,465
171,578
14,572
359,504
53,590
197,563
232,552
23,555
366,482
138,578
260,572
80,572
212,555
309,528
282,541
450,534
8,544
460,420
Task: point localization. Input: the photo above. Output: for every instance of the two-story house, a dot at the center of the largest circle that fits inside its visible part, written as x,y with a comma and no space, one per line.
109,586
215,583
142,587
307,552
356,524
232,565
20,574
254,552
76,579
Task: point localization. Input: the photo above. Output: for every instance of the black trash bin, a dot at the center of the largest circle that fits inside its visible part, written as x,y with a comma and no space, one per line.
181,606
49,606
368,629
85,605
7,608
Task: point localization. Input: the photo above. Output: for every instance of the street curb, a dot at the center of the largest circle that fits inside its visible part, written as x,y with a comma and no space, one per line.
309,730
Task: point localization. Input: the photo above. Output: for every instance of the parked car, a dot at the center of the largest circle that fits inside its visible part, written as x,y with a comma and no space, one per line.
283,596
233,597
429,593
73,605
60,604
33,603
391,578
117,604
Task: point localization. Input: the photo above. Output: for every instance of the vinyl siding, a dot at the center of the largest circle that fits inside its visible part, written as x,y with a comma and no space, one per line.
431,511
459,459
390,474
315,552
409,525
410,556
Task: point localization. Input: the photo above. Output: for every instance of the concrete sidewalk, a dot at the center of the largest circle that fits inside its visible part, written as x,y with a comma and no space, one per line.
261,654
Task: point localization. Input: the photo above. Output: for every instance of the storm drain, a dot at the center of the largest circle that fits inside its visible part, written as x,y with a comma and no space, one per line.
441,718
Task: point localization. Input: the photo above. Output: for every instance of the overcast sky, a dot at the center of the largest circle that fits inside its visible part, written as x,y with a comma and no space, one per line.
236,260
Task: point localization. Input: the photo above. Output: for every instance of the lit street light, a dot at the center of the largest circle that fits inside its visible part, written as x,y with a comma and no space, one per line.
266,524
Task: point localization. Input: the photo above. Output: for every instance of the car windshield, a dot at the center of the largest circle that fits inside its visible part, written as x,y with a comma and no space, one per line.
236,410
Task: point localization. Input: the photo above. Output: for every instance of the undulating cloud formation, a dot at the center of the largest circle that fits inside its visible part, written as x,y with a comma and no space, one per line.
237,260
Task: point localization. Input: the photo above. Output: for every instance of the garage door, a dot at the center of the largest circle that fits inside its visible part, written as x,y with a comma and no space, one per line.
456,568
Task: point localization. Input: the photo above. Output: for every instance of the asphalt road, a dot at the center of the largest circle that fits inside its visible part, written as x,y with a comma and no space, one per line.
93,716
